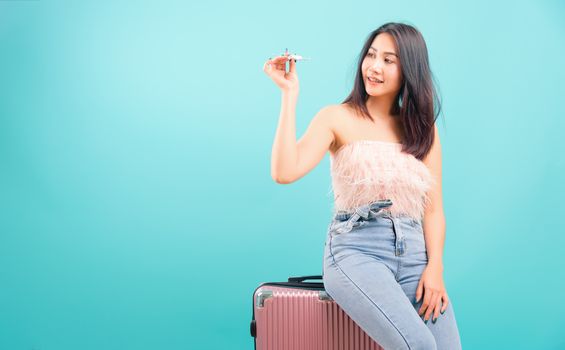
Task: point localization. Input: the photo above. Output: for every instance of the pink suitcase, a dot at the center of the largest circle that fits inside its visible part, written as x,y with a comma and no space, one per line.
299,315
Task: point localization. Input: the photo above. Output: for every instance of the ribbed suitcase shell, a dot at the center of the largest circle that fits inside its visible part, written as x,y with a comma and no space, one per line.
299,315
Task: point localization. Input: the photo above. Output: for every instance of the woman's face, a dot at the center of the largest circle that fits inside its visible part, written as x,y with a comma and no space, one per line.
382,62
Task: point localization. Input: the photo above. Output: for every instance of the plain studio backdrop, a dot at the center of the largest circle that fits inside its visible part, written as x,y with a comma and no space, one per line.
137,209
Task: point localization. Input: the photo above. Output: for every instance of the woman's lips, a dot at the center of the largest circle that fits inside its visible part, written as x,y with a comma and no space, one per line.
373,83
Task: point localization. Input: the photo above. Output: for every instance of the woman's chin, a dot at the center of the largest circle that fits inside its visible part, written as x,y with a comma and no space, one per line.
373,92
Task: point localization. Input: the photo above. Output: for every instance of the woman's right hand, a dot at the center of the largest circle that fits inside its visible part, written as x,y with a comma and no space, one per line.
276,69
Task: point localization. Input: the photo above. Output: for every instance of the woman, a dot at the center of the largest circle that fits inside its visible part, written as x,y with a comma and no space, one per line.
383,255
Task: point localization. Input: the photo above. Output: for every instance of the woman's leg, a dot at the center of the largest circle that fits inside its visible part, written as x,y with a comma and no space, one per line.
359,274
410,269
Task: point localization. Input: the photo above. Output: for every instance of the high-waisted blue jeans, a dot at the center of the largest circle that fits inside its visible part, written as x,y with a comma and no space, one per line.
372,265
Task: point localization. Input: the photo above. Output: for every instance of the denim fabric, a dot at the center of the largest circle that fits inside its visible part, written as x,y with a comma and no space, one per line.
372,265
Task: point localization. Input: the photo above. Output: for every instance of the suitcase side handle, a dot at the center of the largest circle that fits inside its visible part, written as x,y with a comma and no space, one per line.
302,278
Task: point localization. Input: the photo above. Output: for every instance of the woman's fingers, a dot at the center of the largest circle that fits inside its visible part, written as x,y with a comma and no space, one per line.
440,307
437,307
445,302
431,298
274,64
292,66
276,67
279,63
431,306
434,303
425,302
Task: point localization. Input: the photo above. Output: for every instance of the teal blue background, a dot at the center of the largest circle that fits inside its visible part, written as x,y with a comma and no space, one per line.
137,207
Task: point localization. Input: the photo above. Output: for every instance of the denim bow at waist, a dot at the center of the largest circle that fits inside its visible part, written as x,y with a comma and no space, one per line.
345,221
364,211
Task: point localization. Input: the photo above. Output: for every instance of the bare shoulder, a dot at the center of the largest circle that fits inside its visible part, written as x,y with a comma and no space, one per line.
340,117
329,112
341,110
330,115
336,114
342,124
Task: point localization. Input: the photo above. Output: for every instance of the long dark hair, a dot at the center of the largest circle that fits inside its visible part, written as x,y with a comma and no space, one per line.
414,104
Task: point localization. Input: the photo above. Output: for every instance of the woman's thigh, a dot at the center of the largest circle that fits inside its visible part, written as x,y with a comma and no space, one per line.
410,269
359,274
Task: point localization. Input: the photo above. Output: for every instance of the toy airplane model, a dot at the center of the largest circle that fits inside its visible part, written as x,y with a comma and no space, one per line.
296,57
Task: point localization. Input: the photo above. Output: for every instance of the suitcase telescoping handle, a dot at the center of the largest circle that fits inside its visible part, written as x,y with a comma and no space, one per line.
302,278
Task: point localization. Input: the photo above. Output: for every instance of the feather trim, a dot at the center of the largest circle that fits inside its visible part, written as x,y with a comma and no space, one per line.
365,171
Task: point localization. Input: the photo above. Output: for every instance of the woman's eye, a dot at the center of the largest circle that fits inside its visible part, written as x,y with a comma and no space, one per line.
372,55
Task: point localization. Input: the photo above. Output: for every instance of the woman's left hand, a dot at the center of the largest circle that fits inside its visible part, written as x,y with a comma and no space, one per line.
431,284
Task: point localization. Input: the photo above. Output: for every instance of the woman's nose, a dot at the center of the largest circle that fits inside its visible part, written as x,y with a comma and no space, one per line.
376,66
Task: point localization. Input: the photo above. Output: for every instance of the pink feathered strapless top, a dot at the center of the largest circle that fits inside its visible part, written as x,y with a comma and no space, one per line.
365,171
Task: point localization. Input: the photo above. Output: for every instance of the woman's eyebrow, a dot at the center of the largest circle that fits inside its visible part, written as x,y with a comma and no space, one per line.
386,52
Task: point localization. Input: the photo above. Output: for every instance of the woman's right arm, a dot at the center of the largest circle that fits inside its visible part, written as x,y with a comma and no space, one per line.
284,154
291,160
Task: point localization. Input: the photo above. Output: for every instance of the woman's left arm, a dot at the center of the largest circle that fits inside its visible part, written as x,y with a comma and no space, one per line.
434,219
431,283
